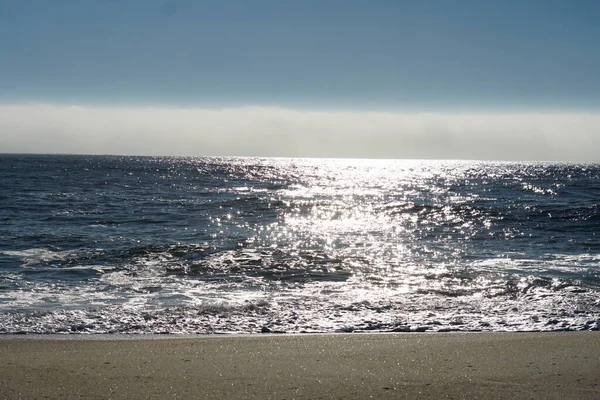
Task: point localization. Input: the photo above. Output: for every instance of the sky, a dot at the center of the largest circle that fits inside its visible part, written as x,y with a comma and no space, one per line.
509,80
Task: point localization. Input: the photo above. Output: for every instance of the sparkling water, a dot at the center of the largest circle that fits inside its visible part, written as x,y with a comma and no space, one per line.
107,244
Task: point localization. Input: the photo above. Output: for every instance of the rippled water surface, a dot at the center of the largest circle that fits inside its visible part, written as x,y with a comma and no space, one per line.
203,245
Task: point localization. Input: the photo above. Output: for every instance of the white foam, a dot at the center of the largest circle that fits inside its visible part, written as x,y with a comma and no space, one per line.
40,255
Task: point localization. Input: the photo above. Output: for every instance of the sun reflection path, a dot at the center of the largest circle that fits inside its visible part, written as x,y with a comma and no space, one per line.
387,220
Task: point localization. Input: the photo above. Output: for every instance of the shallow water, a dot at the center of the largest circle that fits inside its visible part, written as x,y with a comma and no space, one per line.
105,244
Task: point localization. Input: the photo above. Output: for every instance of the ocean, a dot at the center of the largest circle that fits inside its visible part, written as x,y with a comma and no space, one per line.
207,245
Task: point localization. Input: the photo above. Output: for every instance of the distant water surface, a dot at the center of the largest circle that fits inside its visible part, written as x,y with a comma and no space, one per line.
106,244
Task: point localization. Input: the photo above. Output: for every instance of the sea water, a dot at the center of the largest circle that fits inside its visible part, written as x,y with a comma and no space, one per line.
108,244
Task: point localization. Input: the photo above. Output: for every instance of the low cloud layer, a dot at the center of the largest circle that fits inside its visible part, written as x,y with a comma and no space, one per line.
271,131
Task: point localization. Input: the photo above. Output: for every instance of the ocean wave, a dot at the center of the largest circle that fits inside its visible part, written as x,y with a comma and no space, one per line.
315,245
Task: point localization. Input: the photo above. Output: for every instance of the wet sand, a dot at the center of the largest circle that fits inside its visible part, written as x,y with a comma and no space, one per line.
339,366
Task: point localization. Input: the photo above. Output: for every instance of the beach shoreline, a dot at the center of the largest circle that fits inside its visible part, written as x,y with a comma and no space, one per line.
305,366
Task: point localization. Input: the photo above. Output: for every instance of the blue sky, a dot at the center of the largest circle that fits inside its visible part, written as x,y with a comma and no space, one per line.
418,54
363,56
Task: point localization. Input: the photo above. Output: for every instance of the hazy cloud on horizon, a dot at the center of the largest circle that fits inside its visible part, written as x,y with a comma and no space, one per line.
273,131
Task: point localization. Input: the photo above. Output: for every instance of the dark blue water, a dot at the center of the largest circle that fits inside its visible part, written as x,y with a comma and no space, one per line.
200,245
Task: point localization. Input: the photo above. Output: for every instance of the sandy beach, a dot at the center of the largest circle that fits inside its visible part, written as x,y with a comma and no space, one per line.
337,366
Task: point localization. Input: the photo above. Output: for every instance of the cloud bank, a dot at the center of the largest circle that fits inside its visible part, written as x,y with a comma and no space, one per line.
272,131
